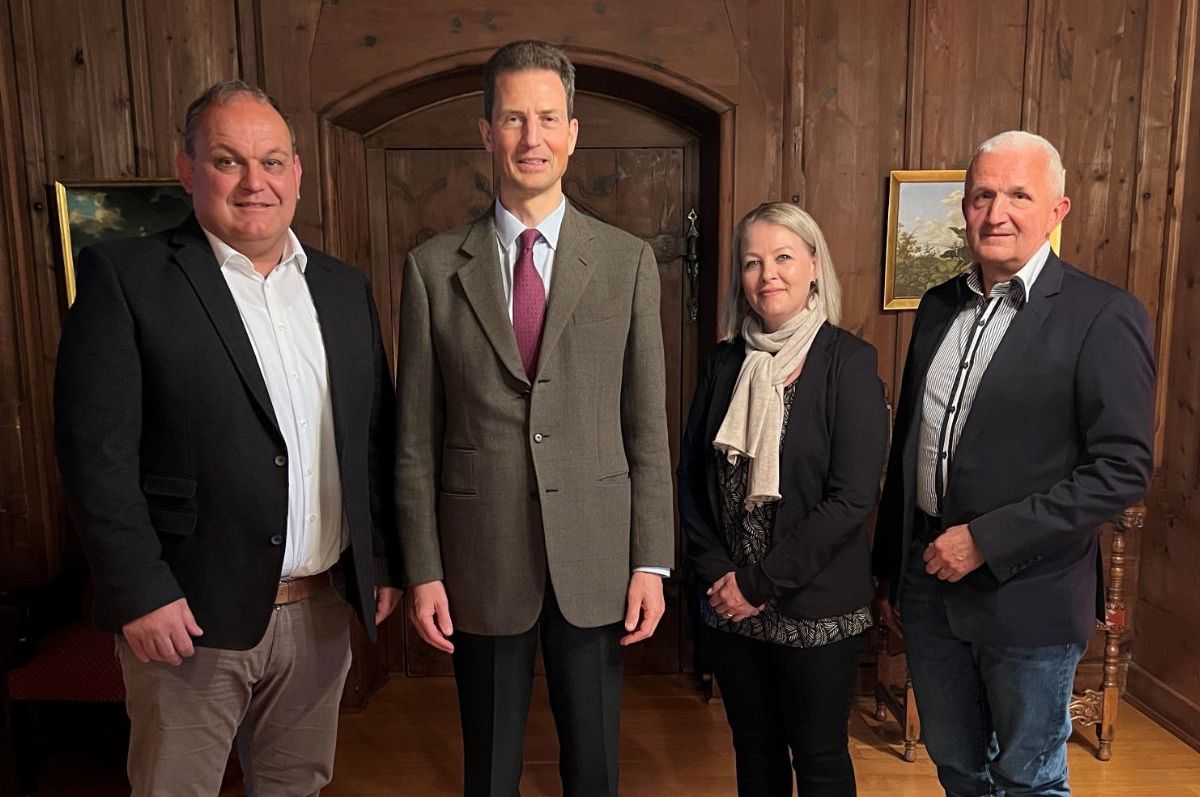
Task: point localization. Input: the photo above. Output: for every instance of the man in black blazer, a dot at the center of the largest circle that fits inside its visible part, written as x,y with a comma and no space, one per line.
1024,422
223,425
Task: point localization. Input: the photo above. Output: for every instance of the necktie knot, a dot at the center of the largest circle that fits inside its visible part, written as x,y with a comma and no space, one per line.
528,238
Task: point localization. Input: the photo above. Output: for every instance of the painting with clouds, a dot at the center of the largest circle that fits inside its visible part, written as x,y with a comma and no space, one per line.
93,212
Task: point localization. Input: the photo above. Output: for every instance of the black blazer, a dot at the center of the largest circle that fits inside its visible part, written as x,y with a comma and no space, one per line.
171,459
1058,441
819,561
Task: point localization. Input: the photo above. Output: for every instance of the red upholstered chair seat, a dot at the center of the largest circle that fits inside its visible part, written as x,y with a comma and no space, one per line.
76,663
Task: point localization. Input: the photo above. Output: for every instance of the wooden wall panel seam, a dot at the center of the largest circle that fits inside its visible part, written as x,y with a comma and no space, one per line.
1181,155
248,22
918,21
1035,41
137,60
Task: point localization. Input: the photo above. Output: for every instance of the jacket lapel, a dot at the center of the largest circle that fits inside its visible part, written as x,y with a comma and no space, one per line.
573,266
724,381
194,257
1011,351
810,386
481,281
334,300
933,322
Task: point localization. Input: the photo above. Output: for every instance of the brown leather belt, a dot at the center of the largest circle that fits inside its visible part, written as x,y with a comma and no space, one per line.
297,589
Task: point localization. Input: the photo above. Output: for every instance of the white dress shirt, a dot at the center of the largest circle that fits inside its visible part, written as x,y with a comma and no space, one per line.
508,229
281,322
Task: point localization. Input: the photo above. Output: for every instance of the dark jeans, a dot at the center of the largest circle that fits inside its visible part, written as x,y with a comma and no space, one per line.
780,699
994,717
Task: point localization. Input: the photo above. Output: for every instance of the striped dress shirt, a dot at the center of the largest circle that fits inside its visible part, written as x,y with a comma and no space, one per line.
957,369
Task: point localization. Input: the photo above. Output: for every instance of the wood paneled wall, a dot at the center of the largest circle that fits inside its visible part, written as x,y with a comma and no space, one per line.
821,99
1165,676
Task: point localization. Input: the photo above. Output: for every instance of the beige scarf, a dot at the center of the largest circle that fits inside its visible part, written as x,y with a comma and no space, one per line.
754,421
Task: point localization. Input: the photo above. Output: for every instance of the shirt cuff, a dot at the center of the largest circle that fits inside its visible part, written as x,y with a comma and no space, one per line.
665,572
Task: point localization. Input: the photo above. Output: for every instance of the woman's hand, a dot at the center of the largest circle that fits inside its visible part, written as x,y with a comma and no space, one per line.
727,600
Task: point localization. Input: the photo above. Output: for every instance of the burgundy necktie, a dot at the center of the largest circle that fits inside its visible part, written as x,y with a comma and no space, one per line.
529,302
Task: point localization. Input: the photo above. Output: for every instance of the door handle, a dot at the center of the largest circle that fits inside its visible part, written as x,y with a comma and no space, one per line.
691,267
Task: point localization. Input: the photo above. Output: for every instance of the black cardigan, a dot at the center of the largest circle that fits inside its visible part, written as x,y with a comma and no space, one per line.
819,563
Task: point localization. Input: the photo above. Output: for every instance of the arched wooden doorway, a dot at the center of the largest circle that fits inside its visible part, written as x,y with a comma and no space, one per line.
646,158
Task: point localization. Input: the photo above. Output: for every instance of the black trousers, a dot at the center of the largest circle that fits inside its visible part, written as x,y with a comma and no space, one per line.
584,669
780,701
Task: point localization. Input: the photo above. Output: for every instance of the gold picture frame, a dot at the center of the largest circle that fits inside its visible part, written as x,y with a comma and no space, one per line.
98,210
926,242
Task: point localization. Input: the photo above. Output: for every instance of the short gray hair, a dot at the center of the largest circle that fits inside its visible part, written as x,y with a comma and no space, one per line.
1024,141
793,218
220,94
528,54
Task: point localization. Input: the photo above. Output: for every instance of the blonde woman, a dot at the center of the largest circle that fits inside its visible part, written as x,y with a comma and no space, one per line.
780,467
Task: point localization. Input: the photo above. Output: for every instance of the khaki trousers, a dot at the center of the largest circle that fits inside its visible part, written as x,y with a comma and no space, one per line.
279,698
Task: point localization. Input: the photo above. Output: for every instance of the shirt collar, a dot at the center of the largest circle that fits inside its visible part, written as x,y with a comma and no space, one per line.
227,255
508,226
1019,285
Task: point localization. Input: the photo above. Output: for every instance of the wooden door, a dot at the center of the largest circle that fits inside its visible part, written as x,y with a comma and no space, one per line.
632,169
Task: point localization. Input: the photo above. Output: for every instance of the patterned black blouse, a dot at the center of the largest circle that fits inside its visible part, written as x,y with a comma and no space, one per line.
748,538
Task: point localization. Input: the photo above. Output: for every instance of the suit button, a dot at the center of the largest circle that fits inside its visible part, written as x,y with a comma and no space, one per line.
277,539
537,438
280,460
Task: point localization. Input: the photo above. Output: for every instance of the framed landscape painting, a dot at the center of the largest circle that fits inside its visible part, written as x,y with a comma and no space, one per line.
926,234
98,211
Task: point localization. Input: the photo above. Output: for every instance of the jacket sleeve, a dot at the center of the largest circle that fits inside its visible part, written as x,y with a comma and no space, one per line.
644,425
886,550
857,448
1114,410
98,430
706,551
420,421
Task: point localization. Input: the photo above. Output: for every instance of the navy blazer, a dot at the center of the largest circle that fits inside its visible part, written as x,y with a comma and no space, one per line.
818,564
1058,441
171,458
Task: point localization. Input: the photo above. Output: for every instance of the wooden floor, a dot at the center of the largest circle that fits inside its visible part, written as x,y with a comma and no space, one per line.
672,743
406,744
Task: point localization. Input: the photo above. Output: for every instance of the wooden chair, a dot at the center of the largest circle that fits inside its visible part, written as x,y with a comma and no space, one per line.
59,661
893,698
1099,706
1091,707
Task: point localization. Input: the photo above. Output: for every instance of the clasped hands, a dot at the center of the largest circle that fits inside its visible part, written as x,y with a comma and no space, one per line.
727,600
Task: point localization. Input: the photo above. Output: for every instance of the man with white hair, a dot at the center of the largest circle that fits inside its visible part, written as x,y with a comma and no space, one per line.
1025,421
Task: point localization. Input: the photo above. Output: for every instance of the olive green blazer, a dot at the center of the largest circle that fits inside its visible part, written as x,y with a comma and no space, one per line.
500,479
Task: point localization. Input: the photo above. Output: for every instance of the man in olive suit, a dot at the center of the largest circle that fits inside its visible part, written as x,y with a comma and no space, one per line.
534,485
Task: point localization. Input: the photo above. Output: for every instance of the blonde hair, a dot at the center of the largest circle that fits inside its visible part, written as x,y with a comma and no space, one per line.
790,217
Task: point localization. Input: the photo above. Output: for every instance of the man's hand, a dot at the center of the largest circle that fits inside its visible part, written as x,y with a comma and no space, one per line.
429,613
164,634
953,554
727,600
883,610
386,601
644,600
